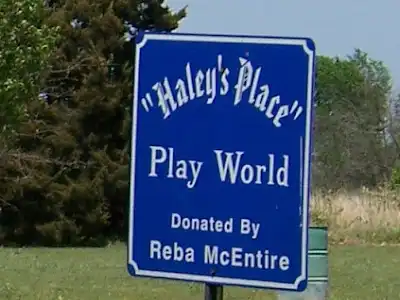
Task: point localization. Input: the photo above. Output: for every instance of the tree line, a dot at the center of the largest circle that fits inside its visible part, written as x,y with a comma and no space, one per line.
66,90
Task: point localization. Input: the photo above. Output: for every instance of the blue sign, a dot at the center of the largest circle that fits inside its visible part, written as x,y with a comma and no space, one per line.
220,162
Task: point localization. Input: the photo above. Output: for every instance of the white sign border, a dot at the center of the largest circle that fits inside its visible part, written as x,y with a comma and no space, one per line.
304,170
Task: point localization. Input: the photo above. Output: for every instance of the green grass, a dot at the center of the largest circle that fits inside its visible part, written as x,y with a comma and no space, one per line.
356,272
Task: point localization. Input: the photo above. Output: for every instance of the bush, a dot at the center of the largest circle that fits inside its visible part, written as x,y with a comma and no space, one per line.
395,179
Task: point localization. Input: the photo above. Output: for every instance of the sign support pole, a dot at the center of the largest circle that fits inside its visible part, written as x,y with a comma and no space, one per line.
213,292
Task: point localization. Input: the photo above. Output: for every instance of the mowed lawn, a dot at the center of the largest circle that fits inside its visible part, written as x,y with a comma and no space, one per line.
357,272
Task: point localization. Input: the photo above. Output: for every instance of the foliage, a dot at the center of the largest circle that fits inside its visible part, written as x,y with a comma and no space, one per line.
26,43
64,177
67,179
395,179
351,146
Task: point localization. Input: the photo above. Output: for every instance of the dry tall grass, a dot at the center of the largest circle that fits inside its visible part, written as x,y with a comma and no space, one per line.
362,216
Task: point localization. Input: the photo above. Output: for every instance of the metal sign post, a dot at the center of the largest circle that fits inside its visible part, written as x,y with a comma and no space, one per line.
213,292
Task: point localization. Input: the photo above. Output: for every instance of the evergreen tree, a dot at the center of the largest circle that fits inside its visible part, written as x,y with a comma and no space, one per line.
68,181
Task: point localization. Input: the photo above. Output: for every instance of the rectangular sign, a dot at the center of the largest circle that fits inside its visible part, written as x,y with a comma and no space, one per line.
220,162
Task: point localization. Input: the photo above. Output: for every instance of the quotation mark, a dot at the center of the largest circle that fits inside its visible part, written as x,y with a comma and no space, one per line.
147,102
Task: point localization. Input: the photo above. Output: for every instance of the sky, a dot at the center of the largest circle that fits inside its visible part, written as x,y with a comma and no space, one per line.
337,27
